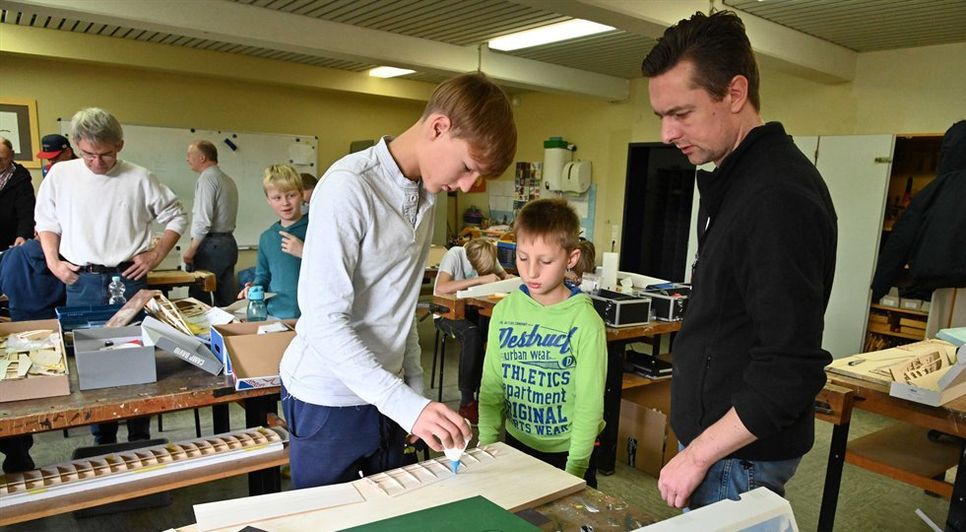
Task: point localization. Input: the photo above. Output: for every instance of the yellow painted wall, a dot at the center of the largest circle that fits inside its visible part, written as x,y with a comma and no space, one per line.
167,99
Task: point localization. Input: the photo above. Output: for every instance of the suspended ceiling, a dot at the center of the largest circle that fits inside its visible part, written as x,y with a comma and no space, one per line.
437,37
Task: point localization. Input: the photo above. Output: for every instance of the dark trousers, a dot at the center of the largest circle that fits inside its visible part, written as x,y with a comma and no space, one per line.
217,254
16,450
330,445
91,289
470,335
558,460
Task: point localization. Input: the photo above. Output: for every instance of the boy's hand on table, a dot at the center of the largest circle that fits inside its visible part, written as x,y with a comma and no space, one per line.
440,427
291,244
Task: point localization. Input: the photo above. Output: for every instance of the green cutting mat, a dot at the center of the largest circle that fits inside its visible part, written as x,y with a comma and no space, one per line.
476,514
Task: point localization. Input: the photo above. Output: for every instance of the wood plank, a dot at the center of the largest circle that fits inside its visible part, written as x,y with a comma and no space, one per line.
839,402
513,481
633,380
904,452
899,310
118,492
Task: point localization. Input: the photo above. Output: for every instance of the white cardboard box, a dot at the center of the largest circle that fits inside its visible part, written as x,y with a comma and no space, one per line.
188,348
758,509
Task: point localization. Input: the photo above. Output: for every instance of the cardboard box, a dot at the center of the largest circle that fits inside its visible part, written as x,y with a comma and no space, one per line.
98,367
910,304
252,357
645,440
34,386
185,347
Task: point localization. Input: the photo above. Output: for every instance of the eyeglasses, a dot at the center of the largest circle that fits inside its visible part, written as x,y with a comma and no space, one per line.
103,157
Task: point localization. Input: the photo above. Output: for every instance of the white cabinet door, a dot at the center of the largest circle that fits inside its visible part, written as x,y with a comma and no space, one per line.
856,170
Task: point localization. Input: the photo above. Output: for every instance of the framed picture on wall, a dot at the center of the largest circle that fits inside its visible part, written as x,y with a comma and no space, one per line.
18,124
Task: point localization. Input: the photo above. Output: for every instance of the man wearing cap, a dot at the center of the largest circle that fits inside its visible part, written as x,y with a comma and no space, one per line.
94,217
54,149
16,199
213,245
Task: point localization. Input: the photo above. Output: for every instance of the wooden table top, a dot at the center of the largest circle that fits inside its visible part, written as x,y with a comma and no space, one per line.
874,397
180,386
172,278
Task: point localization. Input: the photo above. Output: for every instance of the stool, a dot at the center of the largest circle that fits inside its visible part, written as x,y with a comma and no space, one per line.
439,352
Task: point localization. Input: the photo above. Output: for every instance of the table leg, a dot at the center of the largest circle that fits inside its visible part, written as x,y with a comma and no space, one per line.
833,477
220,419
612,408
956,520
256,415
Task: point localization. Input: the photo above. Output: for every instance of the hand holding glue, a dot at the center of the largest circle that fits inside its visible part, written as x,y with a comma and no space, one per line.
454,454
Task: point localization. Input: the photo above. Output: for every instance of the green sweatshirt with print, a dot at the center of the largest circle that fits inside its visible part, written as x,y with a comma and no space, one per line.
544,374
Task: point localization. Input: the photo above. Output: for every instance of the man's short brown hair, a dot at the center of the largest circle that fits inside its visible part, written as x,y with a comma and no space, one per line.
552,219
716,45
207,149
479,113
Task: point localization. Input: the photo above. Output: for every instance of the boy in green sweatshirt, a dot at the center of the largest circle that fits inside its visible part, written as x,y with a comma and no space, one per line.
546,356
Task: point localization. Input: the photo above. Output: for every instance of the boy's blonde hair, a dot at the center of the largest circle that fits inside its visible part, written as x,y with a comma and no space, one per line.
552,219
479,113
481,252
282,177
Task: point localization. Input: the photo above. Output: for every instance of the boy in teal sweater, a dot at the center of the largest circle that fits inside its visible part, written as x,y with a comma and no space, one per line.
546,356
280,246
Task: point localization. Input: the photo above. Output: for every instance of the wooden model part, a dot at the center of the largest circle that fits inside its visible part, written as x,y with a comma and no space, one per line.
38,352
132,308
137,464
164,310
918,367
408,478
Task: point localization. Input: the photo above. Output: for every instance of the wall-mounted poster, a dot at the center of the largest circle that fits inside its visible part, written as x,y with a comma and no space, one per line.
18,124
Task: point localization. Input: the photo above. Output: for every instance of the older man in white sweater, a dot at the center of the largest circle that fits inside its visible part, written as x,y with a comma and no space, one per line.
94,218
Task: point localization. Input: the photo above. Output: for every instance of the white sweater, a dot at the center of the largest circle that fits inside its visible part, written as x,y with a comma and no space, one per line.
105,219
362,267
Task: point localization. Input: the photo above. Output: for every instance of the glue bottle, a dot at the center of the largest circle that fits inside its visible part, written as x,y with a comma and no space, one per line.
257,311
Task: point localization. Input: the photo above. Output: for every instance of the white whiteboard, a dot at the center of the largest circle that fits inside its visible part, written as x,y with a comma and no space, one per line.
162,151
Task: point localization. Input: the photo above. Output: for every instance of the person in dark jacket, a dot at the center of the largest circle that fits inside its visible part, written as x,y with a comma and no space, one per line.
34,293
16,200
748,360
931,235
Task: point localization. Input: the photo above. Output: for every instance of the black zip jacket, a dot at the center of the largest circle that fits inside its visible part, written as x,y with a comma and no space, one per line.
752,335
931,235
16,207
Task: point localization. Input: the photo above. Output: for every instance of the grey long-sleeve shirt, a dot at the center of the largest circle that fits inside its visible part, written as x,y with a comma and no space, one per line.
362,268
216,204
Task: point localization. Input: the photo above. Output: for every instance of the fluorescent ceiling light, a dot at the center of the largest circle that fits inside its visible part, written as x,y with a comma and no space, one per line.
389,72
562,31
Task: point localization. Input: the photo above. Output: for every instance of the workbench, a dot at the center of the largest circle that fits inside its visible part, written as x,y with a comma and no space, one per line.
180,386
901,452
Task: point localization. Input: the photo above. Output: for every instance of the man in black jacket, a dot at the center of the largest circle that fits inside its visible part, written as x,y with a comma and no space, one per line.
748,361
16,200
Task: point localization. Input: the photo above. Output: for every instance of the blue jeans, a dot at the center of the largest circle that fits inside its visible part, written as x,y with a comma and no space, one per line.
91,289
217,254
729,478
330,445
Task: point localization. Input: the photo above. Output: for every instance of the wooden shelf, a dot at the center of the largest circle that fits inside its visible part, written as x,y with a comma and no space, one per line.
900,310
128,490
905,453
896,334
633,380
